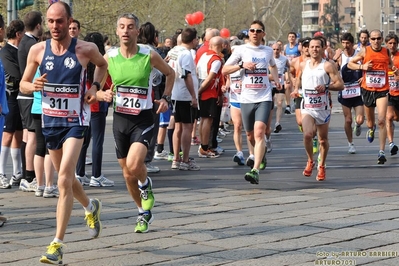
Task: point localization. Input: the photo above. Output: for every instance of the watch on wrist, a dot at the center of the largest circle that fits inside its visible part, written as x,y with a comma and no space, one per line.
241,64
97,84
166,98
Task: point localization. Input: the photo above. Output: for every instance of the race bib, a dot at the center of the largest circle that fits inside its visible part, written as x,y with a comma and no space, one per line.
375,79
280,79
393,84
351,90
130,100
256,79
235,85
61,100
315,100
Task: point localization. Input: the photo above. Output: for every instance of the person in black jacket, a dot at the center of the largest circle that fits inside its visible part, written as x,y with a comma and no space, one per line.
12,134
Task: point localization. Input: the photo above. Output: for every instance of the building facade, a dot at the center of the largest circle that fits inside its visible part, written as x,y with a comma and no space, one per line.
354,15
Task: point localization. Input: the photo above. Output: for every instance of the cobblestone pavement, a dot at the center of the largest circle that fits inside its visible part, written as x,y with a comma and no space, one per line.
215,217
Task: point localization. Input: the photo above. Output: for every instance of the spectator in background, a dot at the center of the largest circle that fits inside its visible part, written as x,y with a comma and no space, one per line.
107,43
99,111
3,98
12,134
42,160
74,29
33,30
148,37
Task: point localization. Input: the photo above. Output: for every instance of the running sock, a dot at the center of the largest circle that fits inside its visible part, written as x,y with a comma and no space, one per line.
141,210
16,160
30,175
89,208
5,152
143,185
57,240
170,138
160,148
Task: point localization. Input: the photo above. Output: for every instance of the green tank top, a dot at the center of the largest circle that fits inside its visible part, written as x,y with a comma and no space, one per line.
132,80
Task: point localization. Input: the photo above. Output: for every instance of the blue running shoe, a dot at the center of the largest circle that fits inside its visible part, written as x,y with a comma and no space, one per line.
370,134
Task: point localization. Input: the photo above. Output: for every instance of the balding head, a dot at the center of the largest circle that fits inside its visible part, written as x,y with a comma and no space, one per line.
216,44
211,33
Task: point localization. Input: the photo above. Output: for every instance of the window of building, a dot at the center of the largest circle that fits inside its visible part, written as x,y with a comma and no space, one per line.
382,3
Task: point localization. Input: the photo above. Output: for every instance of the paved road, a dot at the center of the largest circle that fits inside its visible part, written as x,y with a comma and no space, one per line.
215,217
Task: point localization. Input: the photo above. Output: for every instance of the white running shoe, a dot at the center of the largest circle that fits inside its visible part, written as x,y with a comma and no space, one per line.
51,192
101,181
84,180
352,149
163,155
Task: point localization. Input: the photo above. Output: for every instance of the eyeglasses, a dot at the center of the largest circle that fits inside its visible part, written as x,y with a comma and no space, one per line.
255,30
378,39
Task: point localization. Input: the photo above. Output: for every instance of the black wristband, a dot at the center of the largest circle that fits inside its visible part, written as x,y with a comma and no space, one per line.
97,84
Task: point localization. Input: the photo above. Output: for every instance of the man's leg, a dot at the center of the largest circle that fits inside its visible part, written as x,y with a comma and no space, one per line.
64,161
308,125
138,184
322,132
260,145
382,105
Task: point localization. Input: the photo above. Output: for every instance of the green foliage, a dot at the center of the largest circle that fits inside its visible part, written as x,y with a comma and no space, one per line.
168,15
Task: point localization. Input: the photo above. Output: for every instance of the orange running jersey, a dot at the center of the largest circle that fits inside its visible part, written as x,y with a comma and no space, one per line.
377,78
394,84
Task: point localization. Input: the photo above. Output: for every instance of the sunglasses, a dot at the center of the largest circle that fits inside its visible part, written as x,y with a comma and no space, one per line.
378,39
255,30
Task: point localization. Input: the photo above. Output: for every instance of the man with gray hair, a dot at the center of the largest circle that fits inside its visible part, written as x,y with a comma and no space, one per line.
130,67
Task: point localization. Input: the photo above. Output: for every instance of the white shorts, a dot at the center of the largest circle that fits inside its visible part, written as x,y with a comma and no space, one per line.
321,117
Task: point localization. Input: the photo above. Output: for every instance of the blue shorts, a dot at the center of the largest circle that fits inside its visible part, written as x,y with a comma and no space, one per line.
164,118
56,136
236,105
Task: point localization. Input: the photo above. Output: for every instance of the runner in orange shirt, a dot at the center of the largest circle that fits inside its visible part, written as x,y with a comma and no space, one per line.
375,86
392,41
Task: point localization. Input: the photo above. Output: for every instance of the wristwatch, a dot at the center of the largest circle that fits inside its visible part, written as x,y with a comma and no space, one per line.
166,98
97,84
241,64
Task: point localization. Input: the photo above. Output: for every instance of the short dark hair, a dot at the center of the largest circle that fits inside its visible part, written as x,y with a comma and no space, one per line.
1,22
321,39
347,36
257,21
32,19
77,23
188,35
147,34
364,31
45,36
291,32
15,26
392,36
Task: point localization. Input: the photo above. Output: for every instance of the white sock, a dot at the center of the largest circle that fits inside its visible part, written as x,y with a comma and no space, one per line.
143,184
57,240
140,210
5,152
89,208
16,160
